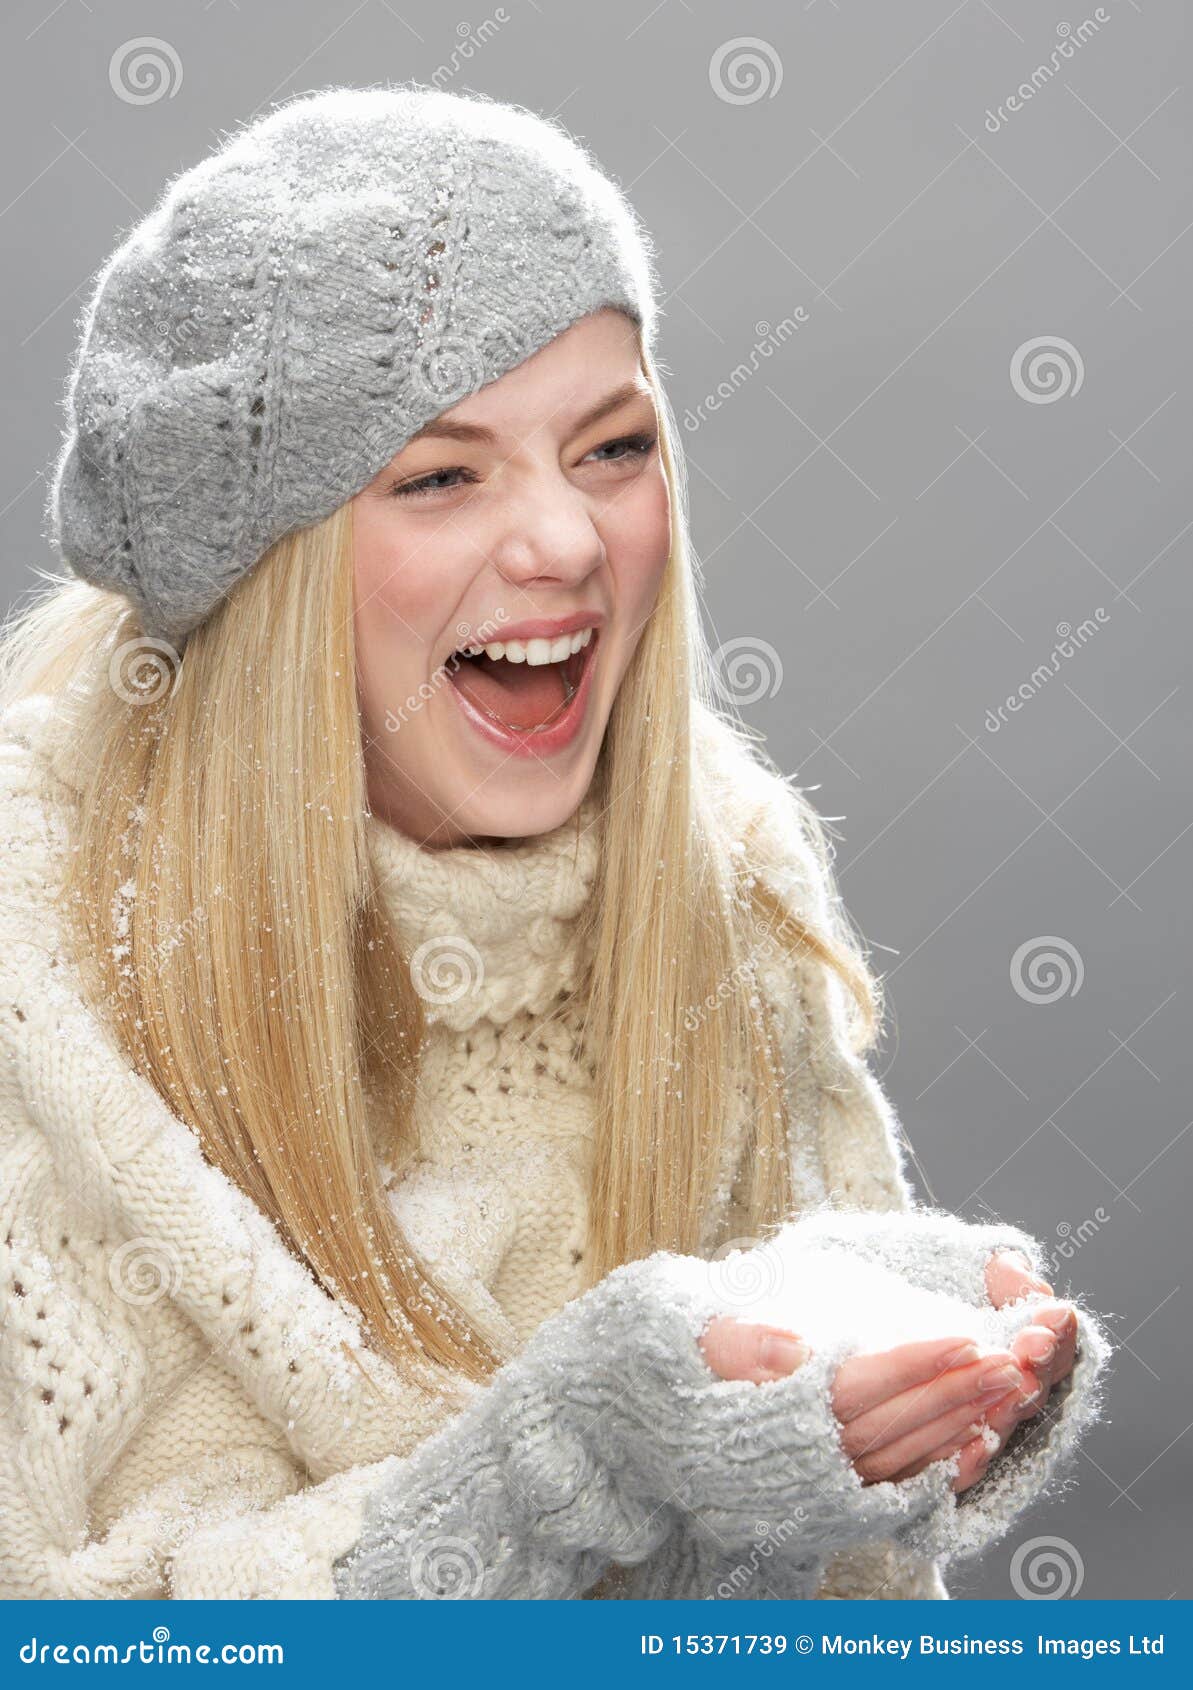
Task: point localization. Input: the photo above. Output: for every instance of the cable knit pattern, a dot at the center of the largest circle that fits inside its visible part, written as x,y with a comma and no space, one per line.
216,1440
504,1106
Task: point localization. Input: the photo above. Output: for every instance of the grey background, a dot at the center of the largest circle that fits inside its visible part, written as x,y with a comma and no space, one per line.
891,533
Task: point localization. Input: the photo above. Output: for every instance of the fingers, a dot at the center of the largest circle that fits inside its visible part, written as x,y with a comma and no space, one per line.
864,1381
959,1426
1009,1276
1061,1320
738,1349
976,1456
1048,1347
981,1383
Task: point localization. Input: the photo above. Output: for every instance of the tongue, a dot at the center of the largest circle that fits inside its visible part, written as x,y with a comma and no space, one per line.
521,695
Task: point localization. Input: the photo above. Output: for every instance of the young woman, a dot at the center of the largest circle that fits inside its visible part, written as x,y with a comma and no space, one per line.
412,980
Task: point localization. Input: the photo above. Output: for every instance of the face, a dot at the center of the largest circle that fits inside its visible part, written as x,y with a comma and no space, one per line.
507,561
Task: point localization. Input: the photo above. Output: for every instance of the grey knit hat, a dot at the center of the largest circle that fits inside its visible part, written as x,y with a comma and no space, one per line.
298,305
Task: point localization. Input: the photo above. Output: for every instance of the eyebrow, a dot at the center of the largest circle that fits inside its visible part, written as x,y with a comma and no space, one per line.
442,428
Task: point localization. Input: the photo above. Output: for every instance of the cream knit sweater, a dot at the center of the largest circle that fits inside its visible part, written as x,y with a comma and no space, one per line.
177,1415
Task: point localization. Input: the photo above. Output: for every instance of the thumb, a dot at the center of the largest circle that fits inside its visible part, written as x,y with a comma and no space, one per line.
738,1349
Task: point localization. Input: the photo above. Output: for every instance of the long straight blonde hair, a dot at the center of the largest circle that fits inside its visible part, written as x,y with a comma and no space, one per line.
228,927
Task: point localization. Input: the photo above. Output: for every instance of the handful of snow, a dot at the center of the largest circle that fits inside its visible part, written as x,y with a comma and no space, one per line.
840,1303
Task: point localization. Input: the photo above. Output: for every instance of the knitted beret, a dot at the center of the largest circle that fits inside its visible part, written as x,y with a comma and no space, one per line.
299,304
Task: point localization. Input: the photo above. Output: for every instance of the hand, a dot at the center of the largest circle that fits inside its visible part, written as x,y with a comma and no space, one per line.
899,1409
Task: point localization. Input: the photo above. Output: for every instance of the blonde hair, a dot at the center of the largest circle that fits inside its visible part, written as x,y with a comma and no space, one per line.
228,927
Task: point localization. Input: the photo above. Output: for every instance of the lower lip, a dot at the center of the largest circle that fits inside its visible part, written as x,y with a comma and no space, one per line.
518,742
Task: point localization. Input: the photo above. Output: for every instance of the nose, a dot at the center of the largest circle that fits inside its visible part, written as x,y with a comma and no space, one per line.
548,536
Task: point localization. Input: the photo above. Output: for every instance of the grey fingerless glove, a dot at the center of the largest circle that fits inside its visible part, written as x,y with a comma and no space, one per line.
932,1252
608,1426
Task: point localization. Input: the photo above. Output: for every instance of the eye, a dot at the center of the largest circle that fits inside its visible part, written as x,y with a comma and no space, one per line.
639,446
432,483
443,480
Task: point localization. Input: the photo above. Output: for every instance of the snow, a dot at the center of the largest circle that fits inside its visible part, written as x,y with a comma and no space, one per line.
837,1301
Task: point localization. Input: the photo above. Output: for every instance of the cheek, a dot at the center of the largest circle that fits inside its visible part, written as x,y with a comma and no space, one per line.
638,541
403,588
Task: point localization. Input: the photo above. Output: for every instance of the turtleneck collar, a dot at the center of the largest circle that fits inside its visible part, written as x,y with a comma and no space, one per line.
489,930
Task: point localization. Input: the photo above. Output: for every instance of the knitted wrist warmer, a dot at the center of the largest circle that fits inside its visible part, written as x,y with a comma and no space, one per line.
590,1444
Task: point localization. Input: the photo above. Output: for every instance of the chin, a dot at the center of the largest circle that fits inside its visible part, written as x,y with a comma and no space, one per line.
535,805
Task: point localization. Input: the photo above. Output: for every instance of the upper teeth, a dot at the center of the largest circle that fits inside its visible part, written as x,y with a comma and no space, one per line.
533,651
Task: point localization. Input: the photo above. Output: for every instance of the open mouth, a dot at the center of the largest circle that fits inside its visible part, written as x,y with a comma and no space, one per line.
524,686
